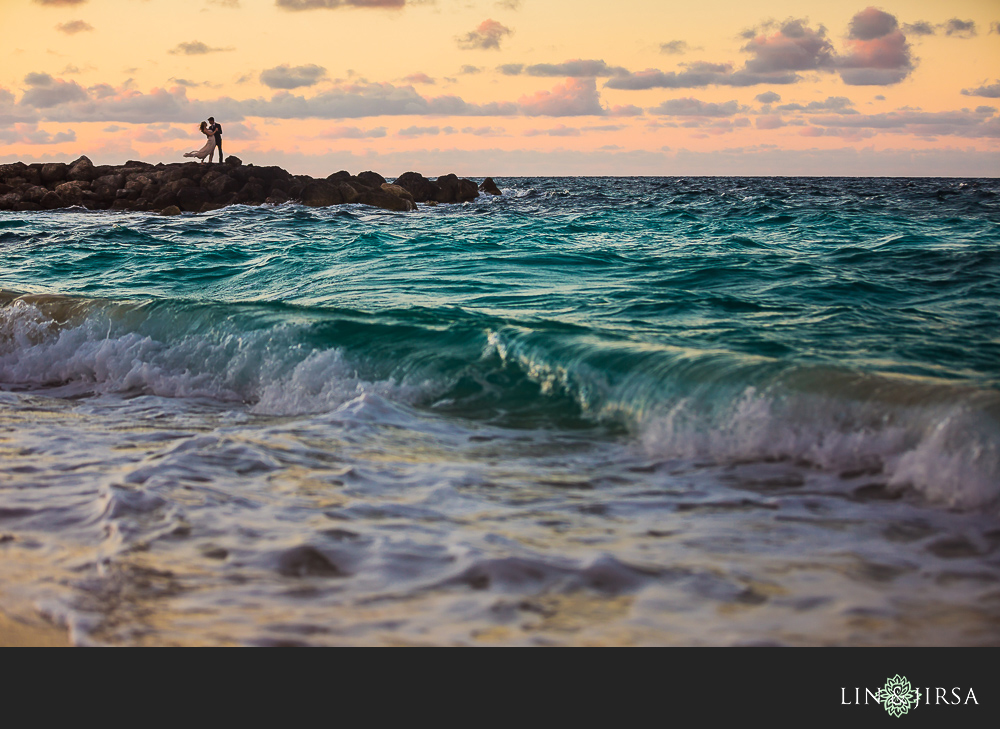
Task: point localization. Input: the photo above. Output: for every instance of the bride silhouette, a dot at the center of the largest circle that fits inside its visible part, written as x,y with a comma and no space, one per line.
209,149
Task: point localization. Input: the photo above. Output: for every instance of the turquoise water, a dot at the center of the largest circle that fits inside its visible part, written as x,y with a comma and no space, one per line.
670,411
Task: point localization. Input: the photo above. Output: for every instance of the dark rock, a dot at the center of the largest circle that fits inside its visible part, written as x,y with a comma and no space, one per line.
116,180
221,185
27,207
306,561
34,194
195,186
386,201
171,210
252,193
51,201
54,172
447,189
467,190
349,192
164,200
209,207
233,161
104,170
105,192
191,199
357,185
72,192
321,193
213,174
268,175
178,185
372,179
419,186
80,169
14,169
489,186
138,181
397,191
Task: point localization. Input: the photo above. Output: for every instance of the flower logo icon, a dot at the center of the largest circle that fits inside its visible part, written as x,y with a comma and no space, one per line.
897,696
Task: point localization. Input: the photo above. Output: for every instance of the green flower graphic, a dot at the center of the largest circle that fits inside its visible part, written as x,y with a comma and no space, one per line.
897,697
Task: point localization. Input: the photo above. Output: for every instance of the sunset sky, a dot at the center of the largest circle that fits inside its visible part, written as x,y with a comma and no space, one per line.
510,87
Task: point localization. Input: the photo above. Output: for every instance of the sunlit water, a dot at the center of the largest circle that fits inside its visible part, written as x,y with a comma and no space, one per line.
653,411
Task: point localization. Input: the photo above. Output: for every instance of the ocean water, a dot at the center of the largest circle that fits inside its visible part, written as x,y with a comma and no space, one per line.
670,411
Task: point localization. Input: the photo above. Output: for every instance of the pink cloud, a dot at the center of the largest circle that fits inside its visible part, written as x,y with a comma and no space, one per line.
577,97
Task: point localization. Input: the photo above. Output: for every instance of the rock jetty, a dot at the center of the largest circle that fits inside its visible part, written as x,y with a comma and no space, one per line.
197,187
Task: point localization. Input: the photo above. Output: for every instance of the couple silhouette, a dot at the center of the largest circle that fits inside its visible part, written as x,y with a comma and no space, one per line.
214,133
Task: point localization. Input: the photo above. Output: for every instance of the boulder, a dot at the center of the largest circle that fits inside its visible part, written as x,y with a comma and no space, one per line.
15,169
342,176
372,179
51,200
386,201
72,192
171,210
397,191
191,199
178,185
467,190
34,193
141,179
10,201
209,207
277,197
114,180
252,193
233,161
4,189
490,187
419,186
121,204
447,189
54,172
165,200
349,192
105,191
320,193
221,185
27,207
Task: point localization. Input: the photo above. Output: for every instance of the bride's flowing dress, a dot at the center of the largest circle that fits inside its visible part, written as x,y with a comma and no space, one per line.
204,151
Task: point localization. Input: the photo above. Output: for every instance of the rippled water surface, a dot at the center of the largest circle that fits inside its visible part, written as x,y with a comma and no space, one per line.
703,411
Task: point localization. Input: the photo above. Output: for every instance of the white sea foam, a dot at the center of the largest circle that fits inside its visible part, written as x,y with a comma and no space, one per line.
267,369
947,452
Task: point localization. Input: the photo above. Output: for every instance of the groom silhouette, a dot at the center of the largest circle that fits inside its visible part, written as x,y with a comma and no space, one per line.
217,129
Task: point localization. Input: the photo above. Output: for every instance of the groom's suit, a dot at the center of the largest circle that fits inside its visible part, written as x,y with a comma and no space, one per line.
216,128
